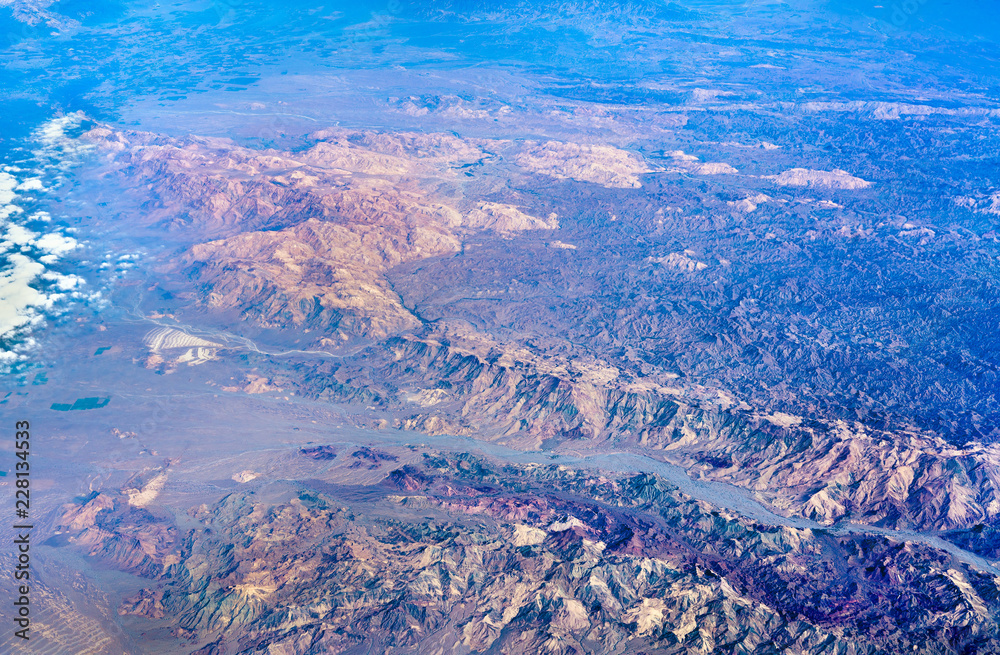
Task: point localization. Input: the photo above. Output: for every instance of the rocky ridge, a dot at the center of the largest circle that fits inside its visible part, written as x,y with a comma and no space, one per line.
332,241
308,241
461,554
305,238
459,382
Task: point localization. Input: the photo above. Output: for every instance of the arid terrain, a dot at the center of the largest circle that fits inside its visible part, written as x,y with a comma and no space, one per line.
457,329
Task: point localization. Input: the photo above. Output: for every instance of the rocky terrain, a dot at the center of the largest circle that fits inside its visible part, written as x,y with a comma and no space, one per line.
416,276
826,470
367,235
320,240
450,328
460,554
307,237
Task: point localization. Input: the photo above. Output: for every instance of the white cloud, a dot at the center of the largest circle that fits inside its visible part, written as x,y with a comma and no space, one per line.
19,235
28,289
7,185
56,244
31,184
20,301
64,282
57,147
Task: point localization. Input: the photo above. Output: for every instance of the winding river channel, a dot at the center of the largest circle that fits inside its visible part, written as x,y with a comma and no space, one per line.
724,496
720,494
